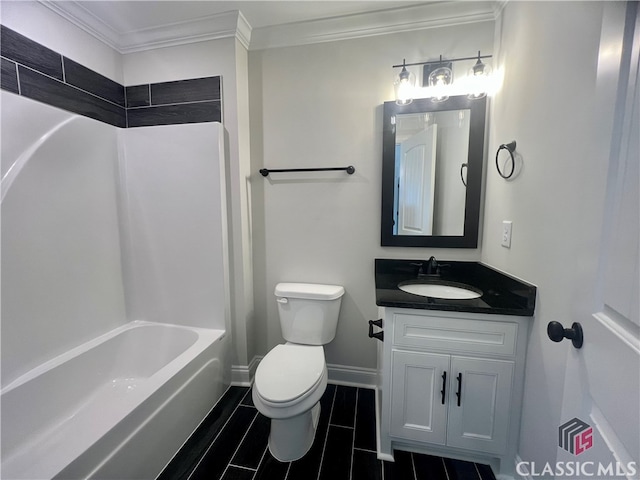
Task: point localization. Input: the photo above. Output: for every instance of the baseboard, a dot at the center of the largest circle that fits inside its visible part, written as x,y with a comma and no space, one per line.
352,376
242,375
517,475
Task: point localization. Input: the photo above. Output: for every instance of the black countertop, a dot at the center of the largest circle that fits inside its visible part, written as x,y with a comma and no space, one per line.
502,294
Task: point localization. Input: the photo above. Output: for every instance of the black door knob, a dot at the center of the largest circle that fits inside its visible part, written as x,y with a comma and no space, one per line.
557,333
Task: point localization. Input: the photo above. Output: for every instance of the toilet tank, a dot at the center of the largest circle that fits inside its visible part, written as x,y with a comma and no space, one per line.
308,311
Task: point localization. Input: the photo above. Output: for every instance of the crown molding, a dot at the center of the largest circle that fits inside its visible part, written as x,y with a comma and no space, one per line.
212,27
383,22
234,25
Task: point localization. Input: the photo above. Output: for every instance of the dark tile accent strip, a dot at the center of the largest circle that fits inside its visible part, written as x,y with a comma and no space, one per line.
336,464
366,466
181,91
401,469
44,89
428,466
138,96
27,52
9,79
236,473
184,101
218,456
194,448
344,410
461,470
252,447
175,114
366,420
485,472
309,465
92,82
271,469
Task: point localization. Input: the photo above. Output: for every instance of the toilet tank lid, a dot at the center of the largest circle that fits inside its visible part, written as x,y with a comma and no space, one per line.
312,291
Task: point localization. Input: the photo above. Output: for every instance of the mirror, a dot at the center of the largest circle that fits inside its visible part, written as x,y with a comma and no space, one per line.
432,158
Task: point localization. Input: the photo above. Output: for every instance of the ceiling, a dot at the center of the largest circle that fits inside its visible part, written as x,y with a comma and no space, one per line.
130,26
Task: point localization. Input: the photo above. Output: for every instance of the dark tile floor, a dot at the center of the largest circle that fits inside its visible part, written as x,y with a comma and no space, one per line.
231,444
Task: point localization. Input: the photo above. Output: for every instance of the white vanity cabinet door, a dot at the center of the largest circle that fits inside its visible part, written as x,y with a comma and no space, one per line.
481,421
417,410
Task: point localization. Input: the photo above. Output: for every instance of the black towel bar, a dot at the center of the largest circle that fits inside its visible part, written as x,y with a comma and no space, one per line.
266,171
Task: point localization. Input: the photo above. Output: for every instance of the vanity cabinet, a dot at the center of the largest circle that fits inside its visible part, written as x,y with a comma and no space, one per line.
451,383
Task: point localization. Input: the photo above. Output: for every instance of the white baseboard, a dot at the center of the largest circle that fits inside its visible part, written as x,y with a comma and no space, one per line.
352,376
242,375
517,476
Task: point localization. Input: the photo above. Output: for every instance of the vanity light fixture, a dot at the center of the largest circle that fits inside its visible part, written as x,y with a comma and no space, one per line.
438,75
404,85
479,74
439,80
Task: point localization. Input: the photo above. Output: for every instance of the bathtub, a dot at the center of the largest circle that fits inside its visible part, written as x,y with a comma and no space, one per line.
118,406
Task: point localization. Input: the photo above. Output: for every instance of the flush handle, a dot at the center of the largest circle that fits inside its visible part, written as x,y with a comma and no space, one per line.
378,335
557,333
282,300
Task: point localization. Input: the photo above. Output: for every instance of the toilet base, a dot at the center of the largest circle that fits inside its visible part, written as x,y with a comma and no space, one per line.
291,438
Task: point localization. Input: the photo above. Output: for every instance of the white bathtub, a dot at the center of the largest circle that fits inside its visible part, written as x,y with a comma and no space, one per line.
116,407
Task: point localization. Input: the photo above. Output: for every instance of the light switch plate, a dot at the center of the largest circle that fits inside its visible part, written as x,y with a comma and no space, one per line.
506,233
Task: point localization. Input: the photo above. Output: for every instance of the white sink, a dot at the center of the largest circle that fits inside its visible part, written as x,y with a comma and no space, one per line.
438,290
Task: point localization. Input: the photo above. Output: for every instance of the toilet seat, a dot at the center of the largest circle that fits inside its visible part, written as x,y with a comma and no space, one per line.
289,373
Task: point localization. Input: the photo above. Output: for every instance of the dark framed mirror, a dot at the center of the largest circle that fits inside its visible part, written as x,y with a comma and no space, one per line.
432,157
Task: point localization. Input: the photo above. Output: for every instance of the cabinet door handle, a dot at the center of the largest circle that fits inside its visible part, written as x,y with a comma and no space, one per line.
444,385
459,392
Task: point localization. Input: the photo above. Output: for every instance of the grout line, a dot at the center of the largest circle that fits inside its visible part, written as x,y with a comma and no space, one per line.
213,441
365,450
18,78
326,437
240,466
64,73
413,467
446,472
262,459
475,465
286,475
353,439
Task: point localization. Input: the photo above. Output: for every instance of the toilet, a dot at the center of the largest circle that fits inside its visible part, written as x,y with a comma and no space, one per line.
292,377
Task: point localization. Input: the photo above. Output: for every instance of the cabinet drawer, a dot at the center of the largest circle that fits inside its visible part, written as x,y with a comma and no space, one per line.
454,334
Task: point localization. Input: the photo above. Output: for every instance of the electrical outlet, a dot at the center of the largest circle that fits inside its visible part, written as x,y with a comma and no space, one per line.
506,233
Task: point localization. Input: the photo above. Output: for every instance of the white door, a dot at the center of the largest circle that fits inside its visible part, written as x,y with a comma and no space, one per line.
418,409
417,182
600,423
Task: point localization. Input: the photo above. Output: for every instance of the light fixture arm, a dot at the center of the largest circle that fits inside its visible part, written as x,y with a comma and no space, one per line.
436,62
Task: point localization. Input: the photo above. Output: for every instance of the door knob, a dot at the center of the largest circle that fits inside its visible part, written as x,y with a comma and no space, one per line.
557,333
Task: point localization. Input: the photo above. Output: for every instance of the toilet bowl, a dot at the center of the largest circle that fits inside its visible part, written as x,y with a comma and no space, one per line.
291,379
288,386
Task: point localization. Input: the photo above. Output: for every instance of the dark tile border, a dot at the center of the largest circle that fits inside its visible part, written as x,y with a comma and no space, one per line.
37,72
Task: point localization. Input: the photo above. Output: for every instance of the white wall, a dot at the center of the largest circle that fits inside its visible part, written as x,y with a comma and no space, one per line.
61,273
37,22
548,52
321,105
173,221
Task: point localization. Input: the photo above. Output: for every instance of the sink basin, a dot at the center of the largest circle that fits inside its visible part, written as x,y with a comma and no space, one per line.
441,290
